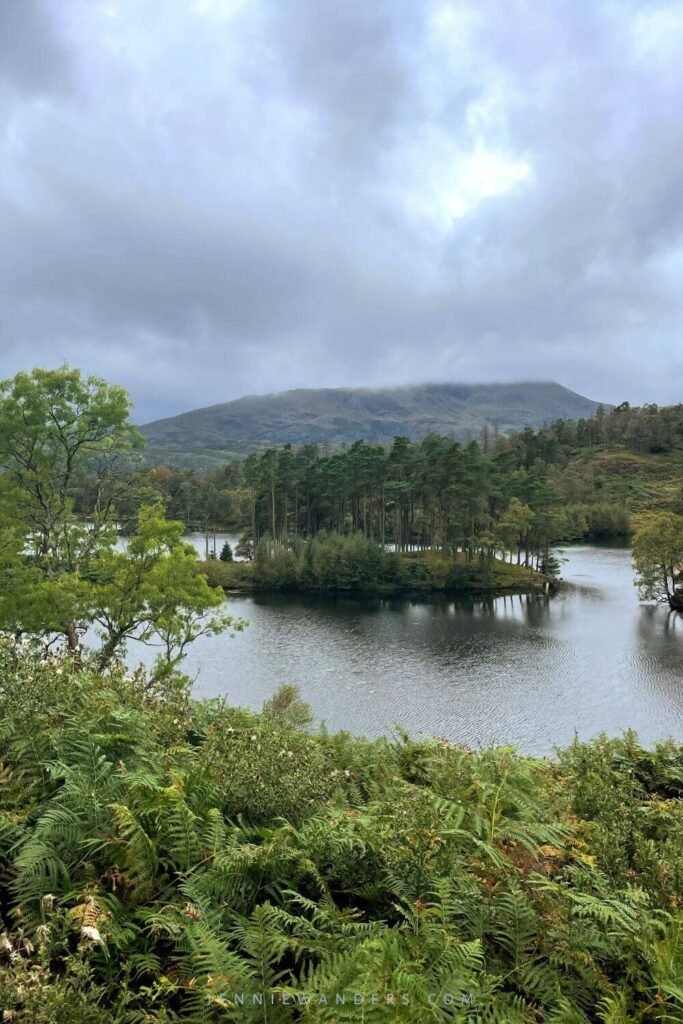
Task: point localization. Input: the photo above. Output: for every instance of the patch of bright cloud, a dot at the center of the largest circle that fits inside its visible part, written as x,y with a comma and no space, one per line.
657,31
486,173
453,28
445,184
218,10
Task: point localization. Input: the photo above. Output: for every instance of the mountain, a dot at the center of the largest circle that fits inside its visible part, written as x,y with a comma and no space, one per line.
337,415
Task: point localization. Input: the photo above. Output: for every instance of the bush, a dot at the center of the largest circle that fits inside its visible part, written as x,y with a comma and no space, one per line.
599,521
158,855
463,576
331,561
286,707
226,574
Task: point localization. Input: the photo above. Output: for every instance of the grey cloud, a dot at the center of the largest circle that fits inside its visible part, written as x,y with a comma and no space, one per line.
33,56
350,63
237,197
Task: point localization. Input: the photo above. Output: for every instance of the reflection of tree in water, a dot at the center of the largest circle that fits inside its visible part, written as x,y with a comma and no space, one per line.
585,590
658,653
537,608
673,622
533,609
656,621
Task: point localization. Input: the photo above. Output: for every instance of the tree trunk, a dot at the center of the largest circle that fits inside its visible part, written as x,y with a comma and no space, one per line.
73,642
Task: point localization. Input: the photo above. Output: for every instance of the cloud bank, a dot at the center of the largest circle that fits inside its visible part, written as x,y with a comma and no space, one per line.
207,198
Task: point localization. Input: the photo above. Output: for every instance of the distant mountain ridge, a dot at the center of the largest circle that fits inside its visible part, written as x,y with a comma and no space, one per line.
343,415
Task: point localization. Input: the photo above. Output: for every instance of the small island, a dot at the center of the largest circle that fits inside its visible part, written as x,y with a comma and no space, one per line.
353,564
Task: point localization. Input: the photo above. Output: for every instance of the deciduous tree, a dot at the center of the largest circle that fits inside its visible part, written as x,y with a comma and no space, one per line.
64,571
658,557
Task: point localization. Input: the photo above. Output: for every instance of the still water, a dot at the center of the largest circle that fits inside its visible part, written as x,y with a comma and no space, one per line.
521,670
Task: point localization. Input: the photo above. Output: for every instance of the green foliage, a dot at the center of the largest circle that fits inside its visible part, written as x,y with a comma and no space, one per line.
230,575
165,860
328,562
658,557
507,496
598,521
61,570
286,706
152,592
598,473
245,548
353,562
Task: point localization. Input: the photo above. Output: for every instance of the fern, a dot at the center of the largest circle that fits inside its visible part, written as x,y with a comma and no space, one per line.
155,861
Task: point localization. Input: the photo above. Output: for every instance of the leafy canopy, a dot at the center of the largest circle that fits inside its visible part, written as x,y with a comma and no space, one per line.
658,556
63,570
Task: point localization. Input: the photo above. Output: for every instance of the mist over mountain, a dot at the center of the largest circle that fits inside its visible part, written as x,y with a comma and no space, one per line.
336,416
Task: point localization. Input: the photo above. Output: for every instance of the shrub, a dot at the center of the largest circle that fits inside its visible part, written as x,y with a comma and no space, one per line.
159,854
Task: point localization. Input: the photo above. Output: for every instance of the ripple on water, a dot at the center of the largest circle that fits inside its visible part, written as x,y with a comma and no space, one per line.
521,670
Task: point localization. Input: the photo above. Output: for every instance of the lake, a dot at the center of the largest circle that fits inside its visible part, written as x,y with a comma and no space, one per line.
521,670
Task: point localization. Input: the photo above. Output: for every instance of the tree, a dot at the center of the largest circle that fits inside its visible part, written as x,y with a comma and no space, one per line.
658,558
226,553
512,527
245,548
62,571
151,592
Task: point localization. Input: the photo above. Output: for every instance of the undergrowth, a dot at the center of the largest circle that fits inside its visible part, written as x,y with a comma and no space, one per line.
164,860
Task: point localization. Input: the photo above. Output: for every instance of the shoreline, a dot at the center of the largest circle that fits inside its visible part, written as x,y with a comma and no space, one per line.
501,579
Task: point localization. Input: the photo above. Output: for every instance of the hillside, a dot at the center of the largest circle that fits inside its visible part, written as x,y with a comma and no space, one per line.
338,415
641,482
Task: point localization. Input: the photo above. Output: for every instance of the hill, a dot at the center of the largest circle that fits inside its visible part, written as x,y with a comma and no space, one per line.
342,415
641,482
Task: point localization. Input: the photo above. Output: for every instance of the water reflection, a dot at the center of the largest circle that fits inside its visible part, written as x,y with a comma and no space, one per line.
523,669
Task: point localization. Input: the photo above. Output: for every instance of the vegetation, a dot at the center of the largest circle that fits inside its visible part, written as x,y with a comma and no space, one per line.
658,559
353,562
159,863
62,572
595,476
170,861
435,495
582,480
164,860
336,416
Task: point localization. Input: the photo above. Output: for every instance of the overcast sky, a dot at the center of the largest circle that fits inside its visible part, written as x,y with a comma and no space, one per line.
205,198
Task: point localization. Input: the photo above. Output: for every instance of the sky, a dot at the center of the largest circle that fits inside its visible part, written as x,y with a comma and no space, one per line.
201,199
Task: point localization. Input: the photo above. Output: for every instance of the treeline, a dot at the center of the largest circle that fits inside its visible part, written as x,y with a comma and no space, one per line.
170,861
646,429
200,501
437,493
353,562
